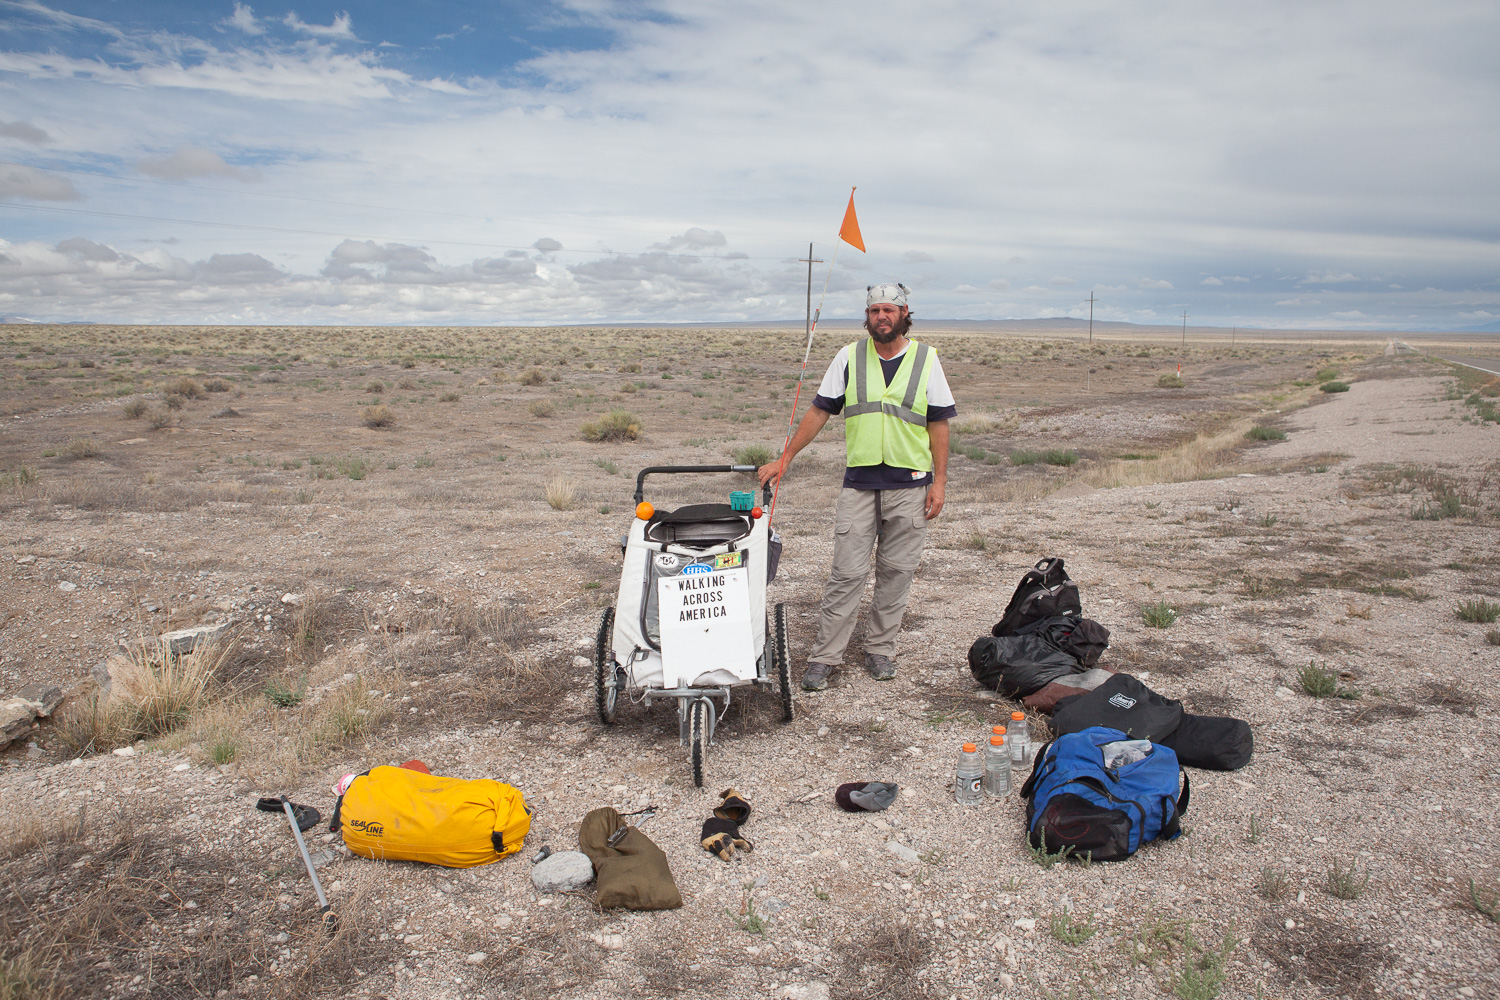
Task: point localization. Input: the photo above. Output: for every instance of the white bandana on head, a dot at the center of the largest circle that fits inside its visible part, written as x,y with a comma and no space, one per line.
892,293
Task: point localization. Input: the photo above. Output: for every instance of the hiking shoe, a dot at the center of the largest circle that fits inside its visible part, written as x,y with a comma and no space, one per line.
882,668
816,677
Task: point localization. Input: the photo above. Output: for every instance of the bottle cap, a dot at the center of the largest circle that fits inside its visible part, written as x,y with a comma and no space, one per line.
998,730
997,741
1018,716
970,748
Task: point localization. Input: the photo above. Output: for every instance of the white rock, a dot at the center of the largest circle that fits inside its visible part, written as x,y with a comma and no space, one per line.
182,767
1026,924
609,942
292,599
477,958
1291,924
563,871
803,991
125,752
582,662
23,560
1285,693
903,852
66,586
1466,991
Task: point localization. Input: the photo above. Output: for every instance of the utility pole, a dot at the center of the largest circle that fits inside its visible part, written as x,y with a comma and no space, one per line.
1231,337
1091,317
1184,329
809,260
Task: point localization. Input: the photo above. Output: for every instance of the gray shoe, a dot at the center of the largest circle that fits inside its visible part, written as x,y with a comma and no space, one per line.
882,668
816,677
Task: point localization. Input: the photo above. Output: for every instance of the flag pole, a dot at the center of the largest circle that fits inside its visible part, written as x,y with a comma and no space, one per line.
806,354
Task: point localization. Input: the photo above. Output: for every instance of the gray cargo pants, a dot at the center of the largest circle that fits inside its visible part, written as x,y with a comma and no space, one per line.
897,518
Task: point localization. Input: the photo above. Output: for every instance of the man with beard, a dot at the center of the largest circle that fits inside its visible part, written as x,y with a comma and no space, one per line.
896,405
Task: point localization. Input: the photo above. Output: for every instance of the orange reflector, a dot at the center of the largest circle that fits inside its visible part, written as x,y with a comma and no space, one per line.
756,512
644,510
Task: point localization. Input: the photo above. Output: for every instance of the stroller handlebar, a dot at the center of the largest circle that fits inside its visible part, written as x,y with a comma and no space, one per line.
640,479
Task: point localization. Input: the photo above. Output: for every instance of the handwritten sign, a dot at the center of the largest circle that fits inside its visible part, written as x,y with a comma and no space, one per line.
705,625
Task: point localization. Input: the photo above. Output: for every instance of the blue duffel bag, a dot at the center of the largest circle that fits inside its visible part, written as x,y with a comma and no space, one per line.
1104,795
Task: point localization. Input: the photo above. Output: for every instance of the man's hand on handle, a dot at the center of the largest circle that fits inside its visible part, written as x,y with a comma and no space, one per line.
772,471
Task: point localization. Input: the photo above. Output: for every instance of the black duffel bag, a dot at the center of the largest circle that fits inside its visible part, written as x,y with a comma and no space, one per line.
1122,703
1082,638
1018,665
1212,742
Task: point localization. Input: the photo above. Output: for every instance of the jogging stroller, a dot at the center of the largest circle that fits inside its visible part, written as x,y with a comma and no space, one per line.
690,621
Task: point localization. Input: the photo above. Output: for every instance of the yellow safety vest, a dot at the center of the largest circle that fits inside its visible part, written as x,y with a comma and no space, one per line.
887,423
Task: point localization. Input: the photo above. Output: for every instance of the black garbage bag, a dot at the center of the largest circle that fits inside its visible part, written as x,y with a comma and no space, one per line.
1122,703
1082,638
1018,665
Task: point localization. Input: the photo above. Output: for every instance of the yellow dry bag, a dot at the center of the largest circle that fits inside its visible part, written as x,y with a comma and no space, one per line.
397,814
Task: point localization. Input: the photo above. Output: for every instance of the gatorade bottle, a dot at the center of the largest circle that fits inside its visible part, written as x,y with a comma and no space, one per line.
997,766
966,789
1020,747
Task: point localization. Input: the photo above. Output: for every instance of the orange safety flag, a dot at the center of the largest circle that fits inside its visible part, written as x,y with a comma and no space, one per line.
849,231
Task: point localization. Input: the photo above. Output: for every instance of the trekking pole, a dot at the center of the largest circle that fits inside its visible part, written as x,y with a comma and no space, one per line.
330,919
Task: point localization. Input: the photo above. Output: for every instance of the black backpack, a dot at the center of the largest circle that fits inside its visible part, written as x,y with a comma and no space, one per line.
1045,591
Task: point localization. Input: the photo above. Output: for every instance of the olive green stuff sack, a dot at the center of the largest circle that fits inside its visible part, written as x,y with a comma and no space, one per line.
632,873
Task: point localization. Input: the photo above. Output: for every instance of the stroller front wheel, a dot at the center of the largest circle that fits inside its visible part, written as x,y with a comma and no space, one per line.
699,737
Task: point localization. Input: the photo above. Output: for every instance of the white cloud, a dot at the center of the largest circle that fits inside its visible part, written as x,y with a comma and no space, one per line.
186,162
693,239
1211,280
1153,284
1329,278
1300,302
18,181
918,257
1062,282
547,245
340,28
243,19
1477,314
25,131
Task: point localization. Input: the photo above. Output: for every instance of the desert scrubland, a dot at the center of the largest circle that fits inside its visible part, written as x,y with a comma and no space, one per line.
412,533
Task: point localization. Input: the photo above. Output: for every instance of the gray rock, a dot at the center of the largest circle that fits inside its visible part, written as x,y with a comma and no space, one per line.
66,586
771,906
188,639
562,871
44,698
24,560
16,716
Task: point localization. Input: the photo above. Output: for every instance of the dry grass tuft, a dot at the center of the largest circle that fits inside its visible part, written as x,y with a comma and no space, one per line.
157,419
562,493
155,693
134,410
185,387
542,408
81,890
379,416
616,425
82,447
534,377
349,713
216,385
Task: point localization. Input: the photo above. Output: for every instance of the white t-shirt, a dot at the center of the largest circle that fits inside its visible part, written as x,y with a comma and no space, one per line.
836,379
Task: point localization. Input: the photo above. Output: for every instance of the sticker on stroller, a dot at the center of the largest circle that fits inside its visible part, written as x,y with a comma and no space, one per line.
705,624
728,560
667,560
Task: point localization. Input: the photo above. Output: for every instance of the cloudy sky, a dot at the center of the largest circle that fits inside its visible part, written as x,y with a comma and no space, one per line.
1282,164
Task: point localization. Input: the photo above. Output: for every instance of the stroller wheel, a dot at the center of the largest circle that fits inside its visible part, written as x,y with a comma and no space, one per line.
782,654
699,738
606,677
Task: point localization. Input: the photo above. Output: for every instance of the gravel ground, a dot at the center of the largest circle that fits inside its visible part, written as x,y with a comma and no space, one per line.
1268,570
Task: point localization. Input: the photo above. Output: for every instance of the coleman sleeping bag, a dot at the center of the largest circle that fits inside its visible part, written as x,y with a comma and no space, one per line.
1122,703
397,814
